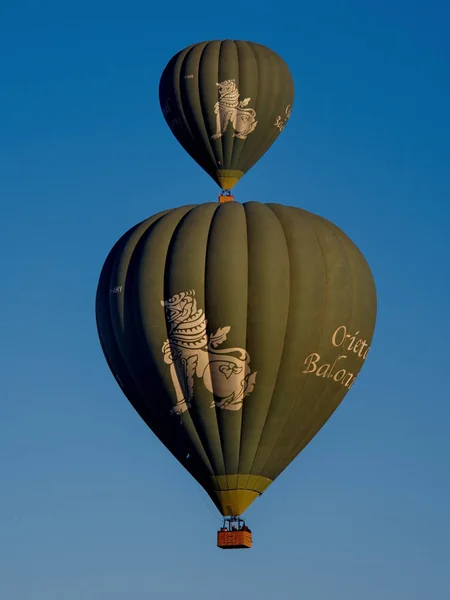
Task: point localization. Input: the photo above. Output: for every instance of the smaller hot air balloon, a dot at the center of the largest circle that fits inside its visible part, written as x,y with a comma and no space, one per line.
226,102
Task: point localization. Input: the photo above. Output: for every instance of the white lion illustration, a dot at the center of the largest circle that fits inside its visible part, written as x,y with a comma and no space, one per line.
229,109
191,352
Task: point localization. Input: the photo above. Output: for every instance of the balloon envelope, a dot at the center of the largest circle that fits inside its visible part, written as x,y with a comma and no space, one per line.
226,102
235,330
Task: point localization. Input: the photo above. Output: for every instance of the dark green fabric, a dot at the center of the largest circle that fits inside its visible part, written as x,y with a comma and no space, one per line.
188,93
284,281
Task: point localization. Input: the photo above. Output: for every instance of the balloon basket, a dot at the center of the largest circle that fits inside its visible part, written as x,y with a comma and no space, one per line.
234,535
225,196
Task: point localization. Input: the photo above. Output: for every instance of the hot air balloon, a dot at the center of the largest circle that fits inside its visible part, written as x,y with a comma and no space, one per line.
226,102
235,331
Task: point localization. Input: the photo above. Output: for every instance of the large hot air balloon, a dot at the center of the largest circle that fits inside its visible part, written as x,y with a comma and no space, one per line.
235,330
226,102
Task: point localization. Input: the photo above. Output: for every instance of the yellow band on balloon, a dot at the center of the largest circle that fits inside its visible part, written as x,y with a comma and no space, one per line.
228,178
235,493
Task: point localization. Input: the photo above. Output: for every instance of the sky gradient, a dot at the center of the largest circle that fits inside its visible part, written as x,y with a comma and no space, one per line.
84,155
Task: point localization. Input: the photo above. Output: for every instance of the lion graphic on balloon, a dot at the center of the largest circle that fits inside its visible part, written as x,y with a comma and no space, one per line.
192,353
229,109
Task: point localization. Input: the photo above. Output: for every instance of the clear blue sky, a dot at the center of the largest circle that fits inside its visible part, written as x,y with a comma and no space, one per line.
85,153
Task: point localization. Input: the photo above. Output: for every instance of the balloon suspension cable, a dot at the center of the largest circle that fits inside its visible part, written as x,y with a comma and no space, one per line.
233,523
207,504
